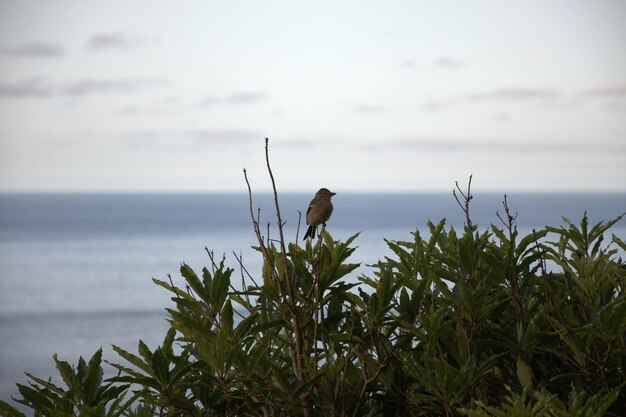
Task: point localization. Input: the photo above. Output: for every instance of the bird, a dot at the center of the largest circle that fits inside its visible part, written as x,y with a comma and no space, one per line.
319,211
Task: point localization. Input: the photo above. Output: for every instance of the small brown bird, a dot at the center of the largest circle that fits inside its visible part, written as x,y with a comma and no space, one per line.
319,211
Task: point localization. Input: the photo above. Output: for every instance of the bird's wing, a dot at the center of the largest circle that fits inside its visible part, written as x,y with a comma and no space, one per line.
308,210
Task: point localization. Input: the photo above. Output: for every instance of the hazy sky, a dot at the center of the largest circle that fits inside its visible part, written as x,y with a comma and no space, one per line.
354,95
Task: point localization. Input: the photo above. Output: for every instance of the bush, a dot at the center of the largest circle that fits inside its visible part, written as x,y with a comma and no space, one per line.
477,323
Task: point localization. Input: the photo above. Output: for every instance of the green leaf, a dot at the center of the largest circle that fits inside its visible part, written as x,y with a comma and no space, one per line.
243,328
10,411
93,379
133,359
226,317
160,366
34,398
524,373
66,372
221,350
220,284
193,281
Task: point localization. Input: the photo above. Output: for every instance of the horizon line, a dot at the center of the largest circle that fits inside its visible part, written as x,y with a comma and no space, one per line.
306,191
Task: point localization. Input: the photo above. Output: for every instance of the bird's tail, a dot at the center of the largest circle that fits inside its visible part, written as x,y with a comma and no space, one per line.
310,232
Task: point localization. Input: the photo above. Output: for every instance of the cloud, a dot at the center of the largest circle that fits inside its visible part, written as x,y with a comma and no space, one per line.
27,87
295,143
190,139
445,145
209,101
407,63
609,91
511,94
246,97
127,110
433,106
34,50
44,87
223,136
116,40
369,109
239,97
94,86
515,93
445,62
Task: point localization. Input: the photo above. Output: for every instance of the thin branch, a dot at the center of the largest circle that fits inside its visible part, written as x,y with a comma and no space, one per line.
297,347
298,227
510,219
279,220
174,288
244,269
467,197
212,258
257,231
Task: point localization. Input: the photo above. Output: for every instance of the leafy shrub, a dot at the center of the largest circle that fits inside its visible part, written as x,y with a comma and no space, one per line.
477,323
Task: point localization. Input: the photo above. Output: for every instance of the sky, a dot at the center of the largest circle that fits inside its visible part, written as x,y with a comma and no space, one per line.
353,95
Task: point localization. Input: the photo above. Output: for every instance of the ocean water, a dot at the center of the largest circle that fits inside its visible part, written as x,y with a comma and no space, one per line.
76,269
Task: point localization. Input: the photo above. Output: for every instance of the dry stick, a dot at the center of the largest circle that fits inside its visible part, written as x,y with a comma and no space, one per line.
244,287
367,381
257,230
274,274
255,223
544,274
212,257
299,360
279,220
175,289
298,226
239,259
320,307
510,220
466,197
510,226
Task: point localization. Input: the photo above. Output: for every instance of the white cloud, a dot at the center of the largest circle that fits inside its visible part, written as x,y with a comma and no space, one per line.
445,62
237,97
493,145
99,86
367,108
516,93
36,49
609,91
116,40
45,87
27,87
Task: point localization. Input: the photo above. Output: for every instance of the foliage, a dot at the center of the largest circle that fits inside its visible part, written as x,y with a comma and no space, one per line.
84,395
476,323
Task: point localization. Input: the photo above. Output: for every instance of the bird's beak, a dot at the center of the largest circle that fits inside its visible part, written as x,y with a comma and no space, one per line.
332,194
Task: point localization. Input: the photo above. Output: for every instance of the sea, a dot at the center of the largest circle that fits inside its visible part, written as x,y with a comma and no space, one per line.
76,269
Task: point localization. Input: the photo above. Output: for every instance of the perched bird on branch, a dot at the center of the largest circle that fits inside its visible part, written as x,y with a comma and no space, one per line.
319,211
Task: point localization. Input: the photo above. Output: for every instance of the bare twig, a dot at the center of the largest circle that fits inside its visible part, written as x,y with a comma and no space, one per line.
467,197
289,300
509,223
239,259
257,231
174,288
368,380
544,273
298,227
212,258
279,220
